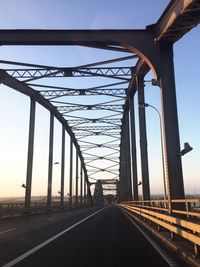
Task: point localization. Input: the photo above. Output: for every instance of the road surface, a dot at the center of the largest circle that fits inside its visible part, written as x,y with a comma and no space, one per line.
96,237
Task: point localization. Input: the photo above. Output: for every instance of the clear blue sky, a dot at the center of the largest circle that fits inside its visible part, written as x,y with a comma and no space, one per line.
62,14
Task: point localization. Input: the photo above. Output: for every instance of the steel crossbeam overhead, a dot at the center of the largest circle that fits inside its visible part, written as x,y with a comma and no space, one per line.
109,181
110,154
114,60
66,109
110,72
102,170
95,121
96,128
89,160
53,94
99,157
86,134
103,86
88,147
99,145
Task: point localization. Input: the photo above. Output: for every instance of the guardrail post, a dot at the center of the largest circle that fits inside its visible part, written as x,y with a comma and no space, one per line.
143,139
196,250
174,175
30,155
133,149
50,169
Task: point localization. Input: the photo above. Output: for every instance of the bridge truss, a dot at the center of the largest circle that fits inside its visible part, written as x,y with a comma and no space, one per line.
100,118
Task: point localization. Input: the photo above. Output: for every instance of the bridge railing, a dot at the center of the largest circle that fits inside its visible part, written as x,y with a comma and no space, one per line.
183,224
17,209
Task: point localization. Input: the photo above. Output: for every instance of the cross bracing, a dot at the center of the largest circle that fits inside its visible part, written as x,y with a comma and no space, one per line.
86,119
151,47
34,74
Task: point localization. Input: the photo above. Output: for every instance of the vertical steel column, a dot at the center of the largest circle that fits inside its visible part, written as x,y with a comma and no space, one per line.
81,185
143,139
133,149
88,190
174,175
128,157
30,154
84,189
76,177
70,172
124,163
50,168
122,181
120,174
62,168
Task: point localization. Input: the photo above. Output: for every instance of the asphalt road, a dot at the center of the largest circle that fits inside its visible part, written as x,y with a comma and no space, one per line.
89,237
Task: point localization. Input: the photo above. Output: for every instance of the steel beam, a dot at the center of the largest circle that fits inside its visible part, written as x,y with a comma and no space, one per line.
38,73
133,149
128,157
122,167
84,188
66,109
140,42
50,167
70,173
143,139
76,201
62,167
177,19
81,185
174,175
73,37
30,154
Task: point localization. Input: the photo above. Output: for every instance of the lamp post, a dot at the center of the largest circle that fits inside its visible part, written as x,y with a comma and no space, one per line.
145,105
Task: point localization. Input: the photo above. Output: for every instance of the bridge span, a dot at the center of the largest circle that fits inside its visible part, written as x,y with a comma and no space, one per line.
98,217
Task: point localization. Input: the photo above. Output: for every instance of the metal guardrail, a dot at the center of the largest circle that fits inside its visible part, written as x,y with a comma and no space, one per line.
17,209
183,223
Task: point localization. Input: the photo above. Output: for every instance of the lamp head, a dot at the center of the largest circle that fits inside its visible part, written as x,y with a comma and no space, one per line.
187,148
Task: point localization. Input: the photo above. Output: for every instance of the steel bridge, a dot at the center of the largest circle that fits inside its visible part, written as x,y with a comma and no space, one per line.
108,122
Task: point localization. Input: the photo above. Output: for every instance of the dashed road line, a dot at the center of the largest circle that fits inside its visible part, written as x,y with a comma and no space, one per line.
6,231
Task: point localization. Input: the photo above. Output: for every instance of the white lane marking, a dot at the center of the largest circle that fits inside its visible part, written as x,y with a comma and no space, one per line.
165,256
28,253
9,230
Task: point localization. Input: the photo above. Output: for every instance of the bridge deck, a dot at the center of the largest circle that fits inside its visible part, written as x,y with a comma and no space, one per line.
107,238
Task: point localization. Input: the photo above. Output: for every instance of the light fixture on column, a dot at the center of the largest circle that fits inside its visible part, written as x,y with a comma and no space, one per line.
187,148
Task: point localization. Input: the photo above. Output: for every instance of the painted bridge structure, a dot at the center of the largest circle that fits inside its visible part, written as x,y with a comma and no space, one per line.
150,49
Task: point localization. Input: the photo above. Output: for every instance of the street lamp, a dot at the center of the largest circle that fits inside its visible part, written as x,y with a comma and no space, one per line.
23,185
187,148
145,105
